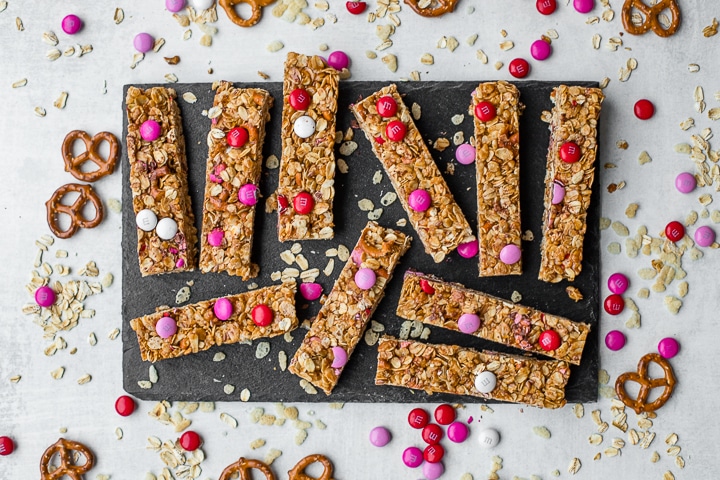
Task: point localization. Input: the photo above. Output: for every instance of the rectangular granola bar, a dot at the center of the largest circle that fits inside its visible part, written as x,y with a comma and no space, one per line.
198,328
501,321
497,160
159,181
228,222
410,167
452,369
307,166
341,321
574,120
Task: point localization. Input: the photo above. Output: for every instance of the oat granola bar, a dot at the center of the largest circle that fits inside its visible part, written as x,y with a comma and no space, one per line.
453,369
234,165
407,161
436,302
199,328
307,166
158,180
497,143
568,180
341,321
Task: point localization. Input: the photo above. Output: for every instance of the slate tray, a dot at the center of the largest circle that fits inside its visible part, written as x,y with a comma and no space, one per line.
198,378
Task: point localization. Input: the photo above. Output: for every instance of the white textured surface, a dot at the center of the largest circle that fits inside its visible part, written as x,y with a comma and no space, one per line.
37,407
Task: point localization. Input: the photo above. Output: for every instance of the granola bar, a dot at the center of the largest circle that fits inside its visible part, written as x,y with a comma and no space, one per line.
233,167
497,138
453,369
441,226
159,183
568,180
436,302
199,326
341,321
307,166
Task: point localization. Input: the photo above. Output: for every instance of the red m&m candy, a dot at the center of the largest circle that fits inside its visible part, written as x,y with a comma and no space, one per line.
674,231
300,99
644,109
433,453
261,315
432,433
386,106
550,340
190,441
426,287
303,203
418,418
124,405
356,8
7,446
396,130
237,137
569,152
546,7
485,111
614,304
519,68
445,414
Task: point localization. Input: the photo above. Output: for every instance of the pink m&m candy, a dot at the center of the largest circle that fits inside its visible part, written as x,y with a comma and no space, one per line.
457,432
558,192
704,236
418,418
7,446
685,182
468,249
174,6
468,323
338,60
365,278
465,154
223,309
248,194
310,291
510,254
71,24
380,436
519,68
615,340
433,470
45,296
215,237
614,304
124,405
668,347
150,130
540,49
412,457
419,200
618,283
166,327
143,42
584,6
339,357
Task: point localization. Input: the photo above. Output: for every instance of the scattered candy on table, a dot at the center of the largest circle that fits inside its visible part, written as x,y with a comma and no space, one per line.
615,340
143,42
433,471
433,453
668,347
338,60
310,291
412,457
488,438
465,154
124,405
584,6
200,5
618,283
674,231
7,446
418,418
71,24
519,67
174,6
644,109
685,182
432,434
380,436
614,304
546,7
704,236
458,432
445,414
540,50
468,249
190,441
45,296
356,8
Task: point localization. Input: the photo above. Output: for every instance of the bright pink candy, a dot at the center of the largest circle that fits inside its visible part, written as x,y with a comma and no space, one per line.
412,457
468,249
465,154
166,327
180,263
615,340
143,42
468,323
433,471
215,237
584,6
668,347
618,283
310,291
685,182
540,49
380,436
510,254
365,278
558,192
150,130
457,432
45,296
248,194
338,60
223,309
71,24
419,200
340,357
174,6
704,236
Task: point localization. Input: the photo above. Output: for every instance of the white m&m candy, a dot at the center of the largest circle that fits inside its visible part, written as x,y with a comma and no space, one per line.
146,220
485,382
488,438
304,126
166,228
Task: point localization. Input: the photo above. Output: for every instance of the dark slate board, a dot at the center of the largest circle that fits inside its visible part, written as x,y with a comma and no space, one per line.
197,377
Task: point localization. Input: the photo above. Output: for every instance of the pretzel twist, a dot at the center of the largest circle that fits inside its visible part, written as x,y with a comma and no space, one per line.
641,404
255,5
298,471
74,164
243,468
63,449
652,17
77,220
441,7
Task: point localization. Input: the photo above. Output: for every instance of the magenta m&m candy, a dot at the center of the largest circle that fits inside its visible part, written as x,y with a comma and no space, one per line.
304,126
248,194
237,137
569,152
261,315
614,304
685,182
418,418
668,347
396,130
432,433
223,309
166,228
300,99
303,203
445,414
386,106
510,254
71,24
380,436
412,457
468,249
365,278
584,6
519,67
558,193
465,154
468,323
215,237
644,109
356,8
419,200
540,49
124,405
546,7
190,441
457,432
549,340
45,296
174,6
433,470
615,340
433,453
7,446
166,327
618,283
310,291
143,42
674,231
704,236
485,111
338,60
340,357
150,130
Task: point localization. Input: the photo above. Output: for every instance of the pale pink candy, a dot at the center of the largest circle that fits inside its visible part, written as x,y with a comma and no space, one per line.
223,308
365,278
356,256
510,254
433,471
468,323
215,238
558,192
339,357
166,327
310,291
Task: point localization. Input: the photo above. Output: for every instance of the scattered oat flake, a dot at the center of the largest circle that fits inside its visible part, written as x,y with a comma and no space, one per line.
391,62
20,83
644,158
119,16
61,101
693,68
542,432
84,379
574,466
245,395
228,389
19,24
711,29
3,6
275,46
